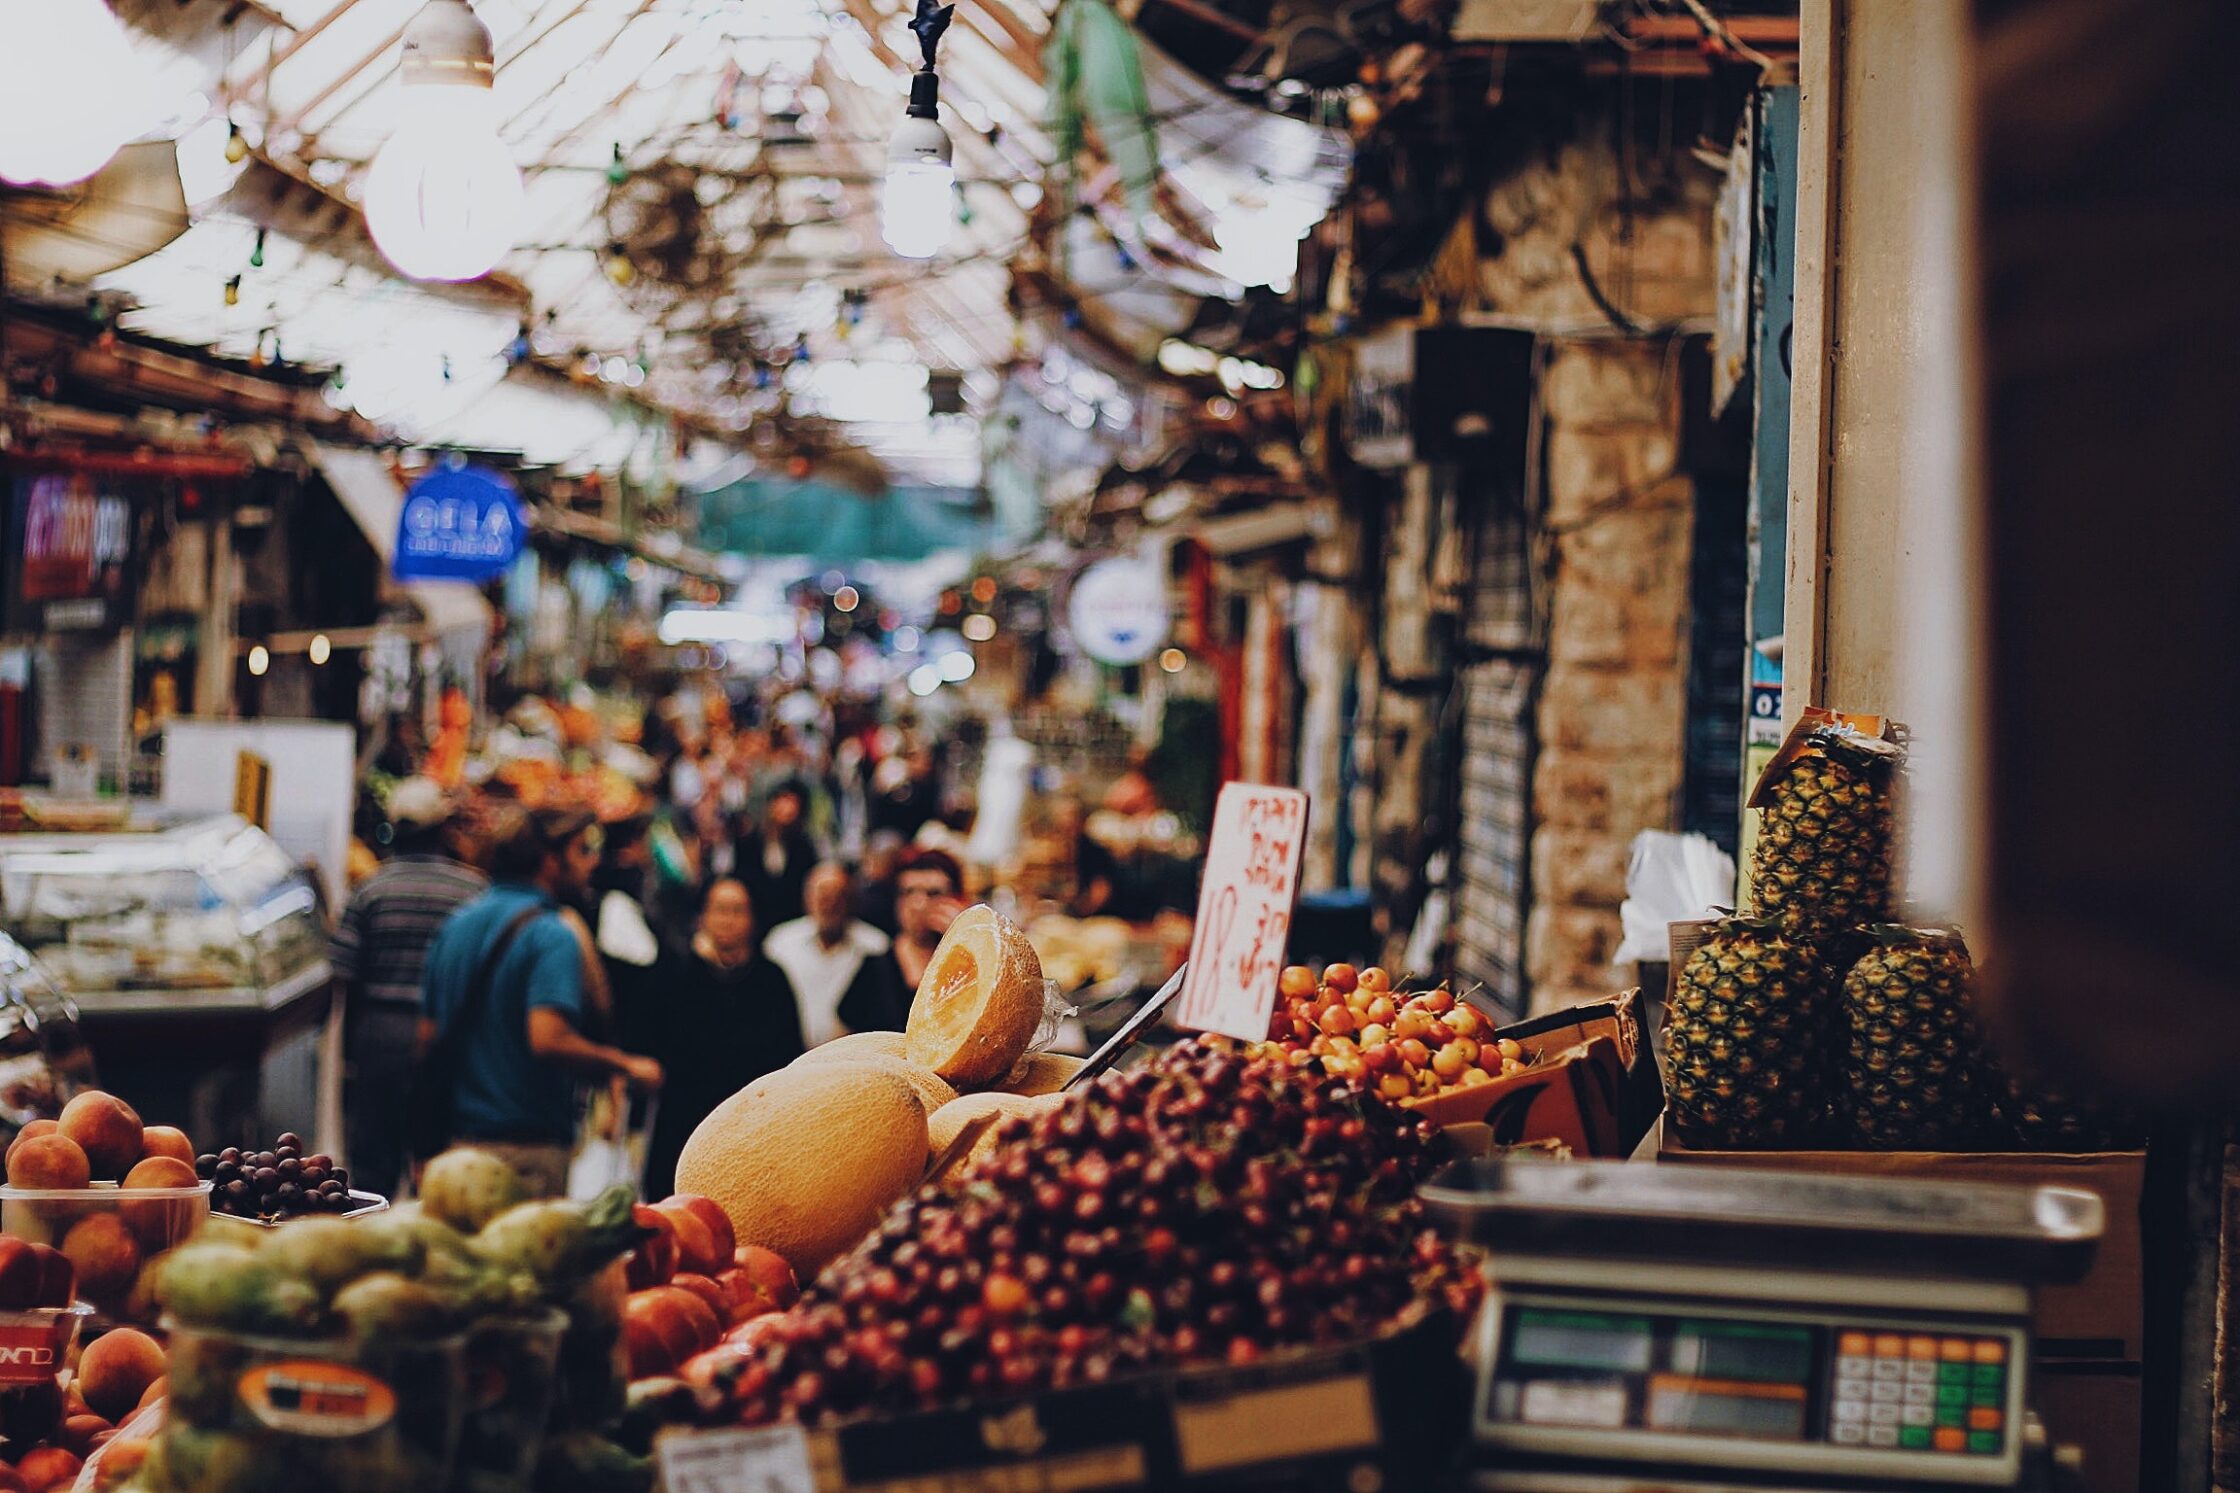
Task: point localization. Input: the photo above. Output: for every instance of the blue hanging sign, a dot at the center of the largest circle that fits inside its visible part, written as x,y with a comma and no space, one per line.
460,523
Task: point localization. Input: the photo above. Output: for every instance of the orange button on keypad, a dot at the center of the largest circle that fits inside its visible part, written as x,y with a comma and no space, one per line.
1983,1420
1991,1350
1951,1439
1890,1345
1957,1350
1855,1345
1921,1347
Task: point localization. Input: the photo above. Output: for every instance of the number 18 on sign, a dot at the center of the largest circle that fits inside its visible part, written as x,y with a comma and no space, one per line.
1244,911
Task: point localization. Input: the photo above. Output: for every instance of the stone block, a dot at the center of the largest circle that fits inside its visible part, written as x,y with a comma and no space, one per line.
1639,549
1587,625
1570,946
1591,467
1570,790
1578,868
1607,382
1613,712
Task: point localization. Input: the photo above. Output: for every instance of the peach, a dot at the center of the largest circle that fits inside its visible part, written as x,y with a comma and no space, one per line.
109,1130
158,1388
78,1432
772,1276
654,1337
58,1278
104,1253
33,1129
167,1140
45,1468
654,1261
161,1171
9,1482
21,1274
49,1161
116,1369
711,1213
706,1368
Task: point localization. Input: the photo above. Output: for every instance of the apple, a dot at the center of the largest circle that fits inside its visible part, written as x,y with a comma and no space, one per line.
709,1291
704,1244
769,1274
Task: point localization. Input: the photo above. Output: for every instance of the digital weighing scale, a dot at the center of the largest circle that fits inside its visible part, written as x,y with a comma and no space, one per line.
1698,1329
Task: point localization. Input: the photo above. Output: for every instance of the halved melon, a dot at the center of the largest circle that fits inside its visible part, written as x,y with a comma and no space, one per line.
980,1000
1042,1073
949,1121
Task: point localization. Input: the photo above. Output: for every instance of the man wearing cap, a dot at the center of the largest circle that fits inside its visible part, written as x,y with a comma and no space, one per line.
505,992
380,946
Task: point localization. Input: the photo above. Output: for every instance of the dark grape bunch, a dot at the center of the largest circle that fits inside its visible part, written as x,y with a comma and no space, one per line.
275,1184
1210,1206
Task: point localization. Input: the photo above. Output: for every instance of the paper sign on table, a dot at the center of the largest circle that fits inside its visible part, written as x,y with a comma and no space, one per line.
775,1460
1244,911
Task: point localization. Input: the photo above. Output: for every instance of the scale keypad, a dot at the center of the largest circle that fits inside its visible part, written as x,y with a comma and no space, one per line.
1914,1392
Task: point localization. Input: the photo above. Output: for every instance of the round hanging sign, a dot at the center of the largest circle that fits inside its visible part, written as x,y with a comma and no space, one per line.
1118,611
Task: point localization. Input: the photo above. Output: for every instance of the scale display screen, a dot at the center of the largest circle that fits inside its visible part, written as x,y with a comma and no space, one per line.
1768,1382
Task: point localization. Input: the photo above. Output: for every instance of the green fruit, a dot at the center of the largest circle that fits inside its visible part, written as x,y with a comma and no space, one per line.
467,1188
329,1253
227,1286
558,1243
385,1306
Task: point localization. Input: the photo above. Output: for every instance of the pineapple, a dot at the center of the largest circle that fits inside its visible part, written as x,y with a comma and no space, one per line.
1743,1039
1821,864
2035,1118
1911,1056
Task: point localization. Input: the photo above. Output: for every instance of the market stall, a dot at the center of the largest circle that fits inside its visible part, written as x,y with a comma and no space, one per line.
195,955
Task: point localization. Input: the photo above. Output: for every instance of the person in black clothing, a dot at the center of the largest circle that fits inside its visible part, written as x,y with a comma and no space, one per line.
721,1016
929,893
875,893
906,803
776,858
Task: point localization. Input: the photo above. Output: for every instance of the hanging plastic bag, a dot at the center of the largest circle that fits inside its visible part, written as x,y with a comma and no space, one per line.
1669,879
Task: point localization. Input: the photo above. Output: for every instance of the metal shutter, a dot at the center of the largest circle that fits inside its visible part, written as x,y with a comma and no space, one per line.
1500,681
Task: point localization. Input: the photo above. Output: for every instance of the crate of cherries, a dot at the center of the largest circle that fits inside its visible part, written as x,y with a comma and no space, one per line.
282,1183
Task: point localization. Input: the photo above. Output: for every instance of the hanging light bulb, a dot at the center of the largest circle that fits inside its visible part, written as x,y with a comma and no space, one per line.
919,201
72,91
444,196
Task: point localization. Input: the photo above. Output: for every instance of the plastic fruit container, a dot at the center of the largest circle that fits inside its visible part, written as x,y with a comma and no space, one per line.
362,1205
109,1232
310,1412
34,1344
513,1380
594,1367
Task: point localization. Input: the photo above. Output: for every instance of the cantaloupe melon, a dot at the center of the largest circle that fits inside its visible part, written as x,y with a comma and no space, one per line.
858,1045
949,1121
1041,1073
805,1160
932,1092
980,1000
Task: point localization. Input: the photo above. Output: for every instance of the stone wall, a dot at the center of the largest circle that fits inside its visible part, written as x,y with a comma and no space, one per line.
1617,516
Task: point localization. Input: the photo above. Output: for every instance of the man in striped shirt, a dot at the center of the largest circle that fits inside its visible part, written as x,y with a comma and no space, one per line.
379,947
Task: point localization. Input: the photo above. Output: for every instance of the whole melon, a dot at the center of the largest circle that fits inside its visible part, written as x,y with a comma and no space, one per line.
949,1121
932,1092
1042,1073
856,1046
805,1160
979,1002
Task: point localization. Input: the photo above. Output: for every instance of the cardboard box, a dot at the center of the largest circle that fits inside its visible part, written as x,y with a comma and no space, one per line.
1592,1086
2096,1408
2100,1317
1387,1413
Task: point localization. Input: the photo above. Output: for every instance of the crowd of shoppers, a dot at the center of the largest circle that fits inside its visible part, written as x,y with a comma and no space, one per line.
771,899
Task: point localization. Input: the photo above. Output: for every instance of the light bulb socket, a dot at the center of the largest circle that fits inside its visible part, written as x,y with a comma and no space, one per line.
925,95
920,140
446,45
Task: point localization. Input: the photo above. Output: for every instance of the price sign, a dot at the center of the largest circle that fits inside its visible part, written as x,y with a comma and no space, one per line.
1244,911
775,1460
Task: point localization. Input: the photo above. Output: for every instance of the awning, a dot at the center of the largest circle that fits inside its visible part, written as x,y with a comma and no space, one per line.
361,480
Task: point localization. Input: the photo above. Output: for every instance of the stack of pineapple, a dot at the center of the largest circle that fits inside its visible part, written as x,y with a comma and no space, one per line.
1816,1019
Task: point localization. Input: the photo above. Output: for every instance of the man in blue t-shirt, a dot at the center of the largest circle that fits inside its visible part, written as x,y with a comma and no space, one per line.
520,1060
